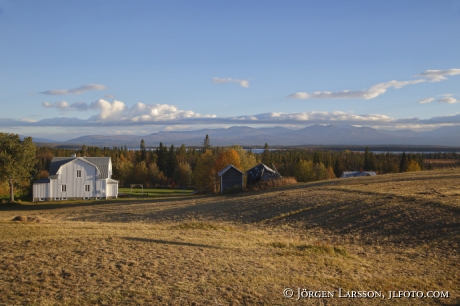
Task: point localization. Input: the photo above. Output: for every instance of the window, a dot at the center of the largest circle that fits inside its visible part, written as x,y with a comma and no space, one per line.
63,188
86,187
78,173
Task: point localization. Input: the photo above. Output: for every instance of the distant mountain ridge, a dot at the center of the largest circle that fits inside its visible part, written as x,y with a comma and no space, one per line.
312,135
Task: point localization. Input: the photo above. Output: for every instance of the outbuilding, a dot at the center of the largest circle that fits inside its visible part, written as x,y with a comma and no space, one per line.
231,177
348,174
261,172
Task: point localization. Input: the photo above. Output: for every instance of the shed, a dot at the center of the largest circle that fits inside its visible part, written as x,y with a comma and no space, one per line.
230,177
348,174
261,172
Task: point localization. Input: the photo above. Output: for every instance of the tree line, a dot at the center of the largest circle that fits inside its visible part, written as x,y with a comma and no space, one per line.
199,167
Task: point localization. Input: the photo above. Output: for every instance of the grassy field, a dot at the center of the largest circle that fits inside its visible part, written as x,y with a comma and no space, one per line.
397,232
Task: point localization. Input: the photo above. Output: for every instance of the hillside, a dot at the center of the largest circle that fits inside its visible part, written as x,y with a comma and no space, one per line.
384,233
279,136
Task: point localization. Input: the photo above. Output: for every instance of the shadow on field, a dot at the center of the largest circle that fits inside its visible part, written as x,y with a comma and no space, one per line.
170,242
87,203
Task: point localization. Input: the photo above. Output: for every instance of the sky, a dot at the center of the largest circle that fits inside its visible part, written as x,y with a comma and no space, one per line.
72,68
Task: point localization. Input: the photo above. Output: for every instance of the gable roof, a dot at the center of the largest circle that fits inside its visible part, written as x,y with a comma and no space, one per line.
101,164
261,168
226,169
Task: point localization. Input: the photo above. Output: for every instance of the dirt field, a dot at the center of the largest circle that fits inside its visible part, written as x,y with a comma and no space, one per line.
374,235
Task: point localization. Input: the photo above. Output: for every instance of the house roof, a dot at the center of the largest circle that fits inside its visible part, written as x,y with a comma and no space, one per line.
261,168
111,181
101,164
347,174
226,169
43,181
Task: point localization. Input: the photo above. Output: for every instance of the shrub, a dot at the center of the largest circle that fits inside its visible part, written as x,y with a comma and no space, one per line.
273,183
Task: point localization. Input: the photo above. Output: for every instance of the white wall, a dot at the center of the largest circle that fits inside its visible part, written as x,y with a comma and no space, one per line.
75,186
41,191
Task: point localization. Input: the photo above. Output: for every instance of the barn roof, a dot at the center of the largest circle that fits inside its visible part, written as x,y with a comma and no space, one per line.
101,164
347,174
227,168
261,167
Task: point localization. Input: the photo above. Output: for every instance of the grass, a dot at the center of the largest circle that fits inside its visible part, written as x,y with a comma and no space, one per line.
154,191
390,232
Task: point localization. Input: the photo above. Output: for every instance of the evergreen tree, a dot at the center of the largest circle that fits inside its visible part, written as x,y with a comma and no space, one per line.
143,151
171,162
404,163
338,167
316,158
266,155
206,143
162,158
369,161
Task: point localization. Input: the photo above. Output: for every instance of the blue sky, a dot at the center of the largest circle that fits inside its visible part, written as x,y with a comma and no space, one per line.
71,68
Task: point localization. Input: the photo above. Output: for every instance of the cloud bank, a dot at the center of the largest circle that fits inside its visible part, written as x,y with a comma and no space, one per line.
242,83
118,114
378,89
75,91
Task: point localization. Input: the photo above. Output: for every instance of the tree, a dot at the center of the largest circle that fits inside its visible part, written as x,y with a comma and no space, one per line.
206,143
162,158
204,175
183,174
247,159
304,171
404,163
413,166
143,151
266,155
17,159
369,161
225,158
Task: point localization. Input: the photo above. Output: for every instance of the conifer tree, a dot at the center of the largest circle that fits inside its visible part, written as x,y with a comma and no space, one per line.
206,143
404,163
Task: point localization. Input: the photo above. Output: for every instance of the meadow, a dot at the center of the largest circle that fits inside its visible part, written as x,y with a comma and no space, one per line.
394,232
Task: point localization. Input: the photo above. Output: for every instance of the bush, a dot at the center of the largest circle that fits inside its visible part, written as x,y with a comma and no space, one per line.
273,183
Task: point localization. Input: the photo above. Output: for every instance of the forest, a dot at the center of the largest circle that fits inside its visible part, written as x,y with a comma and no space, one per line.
199,166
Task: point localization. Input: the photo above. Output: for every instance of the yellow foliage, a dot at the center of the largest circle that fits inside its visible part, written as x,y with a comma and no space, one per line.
205,175
413,166
225,158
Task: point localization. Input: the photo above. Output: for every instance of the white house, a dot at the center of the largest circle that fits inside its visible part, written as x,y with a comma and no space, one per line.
77,178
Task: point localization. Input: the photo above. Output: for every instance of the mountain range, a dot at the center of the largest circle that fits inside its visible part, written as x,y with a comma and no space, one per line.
278,136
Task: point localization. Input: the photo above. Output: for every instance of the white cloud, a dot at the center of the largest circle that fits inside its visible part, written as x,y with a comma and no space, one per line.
448,99
28,120
63,105
58,105
427,100
75,91
439,75
378,89
108,111
372,92
316,117
242,83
